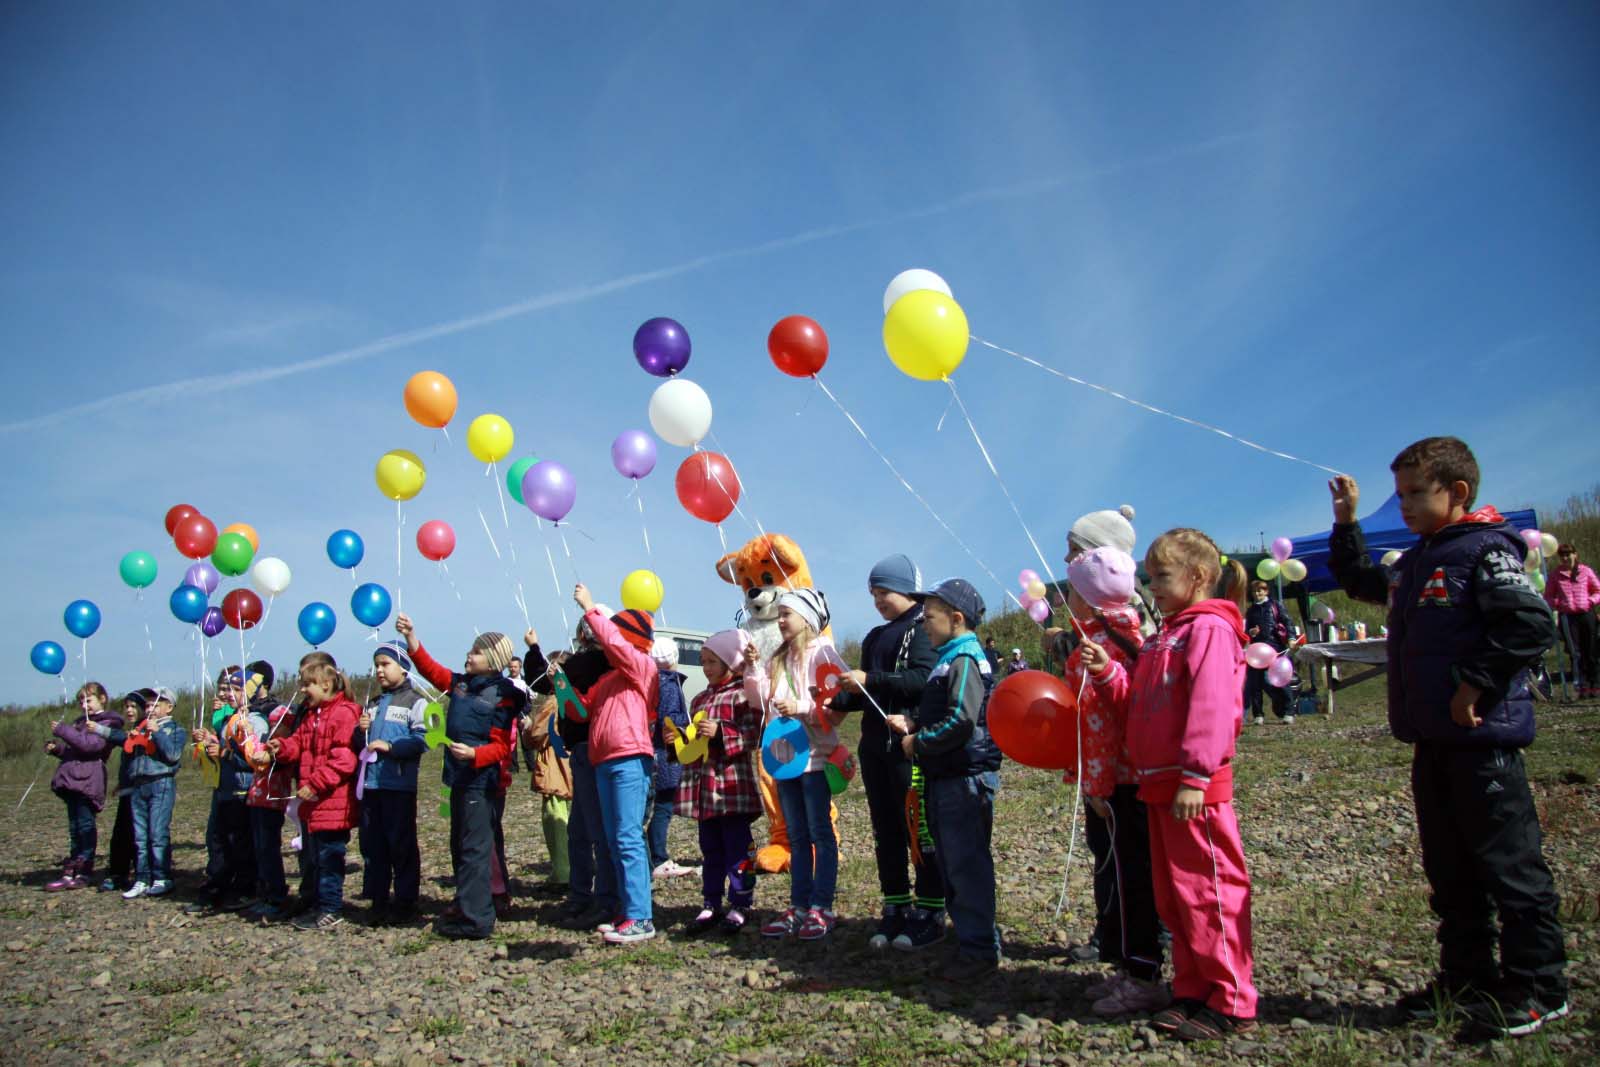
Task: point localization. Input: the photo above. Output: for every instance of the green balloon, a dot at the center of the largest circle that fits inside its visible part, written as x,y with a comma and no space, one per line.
232,554
514,477
1268,569
138,569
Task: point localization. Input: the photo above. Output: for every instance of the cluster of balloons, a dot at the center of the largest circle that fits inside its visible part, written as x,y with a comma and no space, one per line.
1541,546
1033,717
82,619
924,330
1281,563
1279,666
231,553
1034,595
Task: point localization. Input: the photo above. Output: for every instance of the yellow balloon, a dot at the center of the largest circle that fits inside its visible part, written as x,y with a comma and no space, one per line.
1292,570
1036,589
925,334
490,438
400,474
1267,569
642,591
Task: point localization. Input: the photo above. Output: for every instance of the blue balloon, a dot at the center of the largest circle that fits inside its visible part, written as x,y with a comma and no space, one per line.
317,622
345,548
188,603
48,657
370,604
82,618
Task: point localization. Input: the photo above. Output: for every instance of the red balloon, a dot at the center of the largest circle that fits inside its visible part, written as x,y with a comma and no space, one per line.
176,514
1033,717
195,536
241,609
798,346
707,487
435,539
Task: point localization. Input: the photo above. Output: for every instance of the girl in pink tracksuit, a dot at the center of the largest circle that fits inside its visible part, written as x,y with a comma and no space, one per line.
1184,709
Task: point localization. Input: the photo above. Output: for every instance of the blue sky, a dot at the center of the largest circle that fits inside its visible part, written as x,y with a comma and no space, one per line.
1333,230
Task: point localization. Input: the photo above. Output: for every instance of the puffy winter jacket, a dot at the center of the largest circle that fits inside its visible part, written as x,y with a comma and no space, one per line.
320,746
397,717
952,738
482,714
153,749
83,754
620,701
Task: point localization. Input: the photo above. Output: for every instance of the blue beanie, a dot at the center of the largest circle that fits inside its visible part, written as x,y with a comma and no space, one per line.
895,573
396,652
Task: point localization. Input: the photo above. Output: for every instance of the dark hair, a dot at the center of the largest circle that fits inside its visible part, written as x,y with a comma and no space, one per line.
1563,548
1444,461
96,689
1258,584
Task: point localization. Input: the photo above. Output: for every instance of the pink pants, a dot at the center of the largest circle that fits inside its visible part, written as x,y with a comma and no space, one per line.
1203,895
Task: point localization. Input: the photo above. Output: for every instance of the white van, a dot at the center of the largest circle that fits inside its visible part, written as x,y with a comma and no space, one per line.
689,643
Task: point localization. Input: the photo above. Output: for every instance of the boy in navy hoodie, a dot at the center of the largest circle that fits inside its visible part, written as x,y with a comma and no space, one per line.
1464,624
395,741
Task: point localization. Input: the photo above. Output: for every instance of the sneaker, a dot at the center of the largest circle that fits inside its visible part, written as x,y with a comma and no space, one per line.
110,885
1105,986
1174,1015
890,926
1513,1014
670,869
923,928
459,931
201,907
630,931
1288,720
159,888
1442,997
734,921
1087,952
783,924
610,927
1261,720
818,924
964,970
136,890
704,921
68,880
237,903
1208,1024
318,920
1134,997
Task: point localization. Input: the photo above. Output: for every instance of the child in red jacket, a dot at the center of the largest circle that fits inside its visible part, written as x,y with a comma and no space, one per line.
1184,709
321,746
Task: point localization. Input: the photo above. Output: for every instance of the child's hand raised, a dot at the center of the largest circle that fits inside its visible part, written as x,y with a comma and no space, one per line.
1346,496
752,655
404,627
1094,658
581,594
531,638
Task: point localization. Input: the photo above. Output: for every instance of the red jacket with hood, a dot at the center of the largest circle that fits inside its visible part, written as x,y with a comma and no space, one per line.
1184,705
320,745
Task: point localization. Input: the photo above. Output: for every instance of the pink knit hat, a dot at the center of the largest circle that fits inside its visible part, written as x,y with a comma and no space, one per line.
1103,577
728,646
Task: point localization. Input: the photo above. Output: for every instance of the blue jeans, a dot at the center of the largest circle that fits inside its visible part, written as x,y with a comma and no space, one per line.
593,879
961,818
660,820
623,785
81,830
326,849
813,850
152,828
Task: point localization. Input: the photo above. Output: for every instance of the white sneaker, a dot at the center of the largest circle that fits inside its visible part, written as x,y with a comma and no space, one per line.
159,888
136,890
671,869
1261,720
1288,719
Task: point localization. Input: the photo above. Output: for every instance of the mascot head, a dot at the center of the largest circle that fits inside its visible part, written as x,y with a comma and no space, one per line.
763,568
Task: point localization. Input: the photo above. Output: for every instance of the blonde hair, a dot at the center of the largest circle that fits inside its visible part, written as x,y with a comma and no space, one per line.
93,689
325,674
1236,583
1192,550
793,652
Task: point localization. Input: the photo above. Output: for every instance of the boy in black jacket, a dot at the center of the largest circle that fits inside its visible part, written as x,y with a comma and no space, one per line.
895,660
1464,624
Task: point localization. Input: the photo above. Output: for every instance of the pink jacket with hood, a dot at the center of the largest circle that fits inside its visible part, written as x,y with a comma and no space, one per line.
620,703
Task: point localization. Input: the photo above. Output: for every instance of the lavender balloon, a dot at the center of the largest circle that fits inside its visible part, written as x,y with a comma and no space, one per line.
204,576
211,623
662,347
1282,548
633,453
549,490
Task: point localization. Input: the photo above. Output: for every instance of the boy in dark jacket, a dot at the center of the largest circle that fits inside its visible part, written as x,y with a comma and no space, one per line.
395,739
895,661
230,844
1464,624
480,725
949,740
1266,623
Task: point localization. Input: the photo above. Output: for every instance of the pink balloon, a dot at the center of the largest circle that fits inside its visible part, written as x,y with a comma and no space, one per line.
435,539
1027,577
1282,549
1533,539
1260,655
1281,673
1038,611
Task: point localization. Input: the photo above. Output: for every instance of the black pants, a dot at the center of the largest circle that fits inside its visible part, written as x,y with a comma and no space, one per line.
1126,927
1483,855
389,846
266,836
887,779
119,861
230,846
1578,632
472,844
1255,681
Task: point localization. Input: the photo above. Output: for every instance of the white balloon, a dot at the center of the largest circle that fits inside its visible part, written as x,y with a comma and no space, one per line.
680,412
1390,557
1548,544
270,576
1292,570
909,281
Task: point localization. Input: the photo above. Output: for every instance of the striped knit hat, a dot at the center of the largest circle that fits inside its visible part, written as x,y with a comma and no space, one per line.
496,648
809,604
638,628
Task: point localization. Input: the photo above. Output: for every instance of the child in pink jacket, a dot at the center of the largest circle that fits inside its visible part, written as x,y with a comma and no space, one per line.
1184,709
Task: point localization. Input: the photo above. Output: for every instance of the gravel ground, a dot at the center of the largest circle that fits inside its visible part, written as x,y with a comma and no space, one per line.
1341,927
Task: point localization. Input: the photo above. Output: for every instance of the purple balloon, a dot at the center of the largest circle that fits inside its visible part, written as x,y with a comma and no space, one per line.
211,623
662,347
1282,548
204,576
549,490
633,453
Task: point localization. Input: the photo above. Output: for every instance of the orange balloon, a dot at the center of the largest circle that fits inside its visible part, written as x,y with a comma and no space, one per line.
430,398
1033,717
249,534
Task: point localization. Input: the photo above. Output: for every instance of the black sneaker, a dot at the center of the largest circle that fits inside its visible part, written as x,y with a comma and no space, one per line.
460,931
318,920
1440,998
923,929
1510,1014
1087,952
236,903
203,906
890,926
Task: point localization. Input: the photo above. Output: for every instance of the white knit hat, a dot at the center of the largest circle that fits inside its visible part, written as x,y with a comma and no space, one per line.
1100,529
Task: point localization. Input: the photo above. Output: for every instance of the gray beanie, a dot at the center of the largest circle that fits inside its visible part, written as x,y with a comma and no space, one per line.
1103,529
895,573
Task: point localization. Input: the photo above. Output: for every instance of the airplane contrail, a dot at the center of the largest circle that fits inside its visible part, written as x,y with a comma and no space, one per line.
214,383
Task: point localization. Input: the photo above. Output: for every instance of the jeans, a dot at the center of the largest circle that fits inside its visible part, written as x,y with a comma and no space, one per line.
152,828
813,850
660,819
1126,928
887,780
1578,635
961,815
472,843
81,830
623,785
389,846
724,845
230,852
593,878
266,837
553,816
325,851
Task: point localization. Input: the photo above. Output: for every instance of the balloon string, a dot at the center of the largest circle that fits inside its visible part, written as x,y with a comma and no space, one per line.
1000,481
399,558
444,572
568,550
499,491
752,518
638,498
1196,423
1077,791
901,478
555,580
487,534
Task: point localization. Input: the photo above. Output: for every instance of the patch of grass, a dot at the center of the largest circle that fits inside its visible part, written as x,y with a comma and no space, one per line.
167,985
179,1021
310,989
437,1026
669,957
615,1031
416,945
519,981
